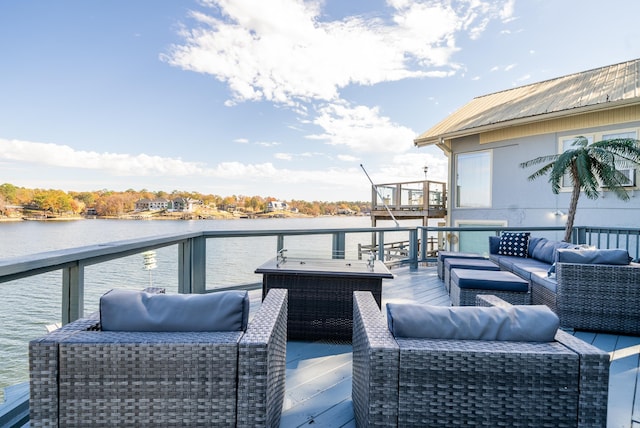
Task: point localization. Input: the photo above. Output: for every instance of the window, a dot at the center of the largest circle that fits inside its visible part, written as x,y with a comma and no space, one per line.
566,142
627,169
473,180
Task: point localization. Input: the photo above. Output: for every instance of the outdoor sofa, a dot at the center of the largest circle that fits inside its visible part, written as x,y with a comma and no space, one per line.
589,289
413,381
83,376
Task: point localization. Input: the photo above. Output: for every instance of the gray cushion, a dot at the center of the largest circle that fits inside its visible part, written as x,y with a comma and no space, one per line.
600,257
546,251
488,280
494,244
130,310
533,243
514,323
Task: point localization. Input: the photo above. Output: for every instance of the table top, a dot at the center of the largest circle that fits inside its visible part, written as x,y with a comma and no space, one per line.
341,267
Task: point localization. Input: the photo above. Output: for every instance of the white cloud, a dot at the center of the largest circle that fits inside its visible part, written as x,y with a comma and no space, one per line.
114,163
241,140
268,143
362,129
283,156
348,158
282,50
509,67
410,167
103,164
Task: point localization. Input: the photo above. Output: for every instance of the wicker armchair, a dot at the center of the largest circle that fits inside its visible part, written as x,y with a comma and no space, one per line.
595,297
424,382
80,376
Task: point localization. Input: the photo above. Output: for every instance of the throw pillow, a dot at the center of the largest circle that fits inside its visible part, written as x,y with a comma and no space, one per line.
514,244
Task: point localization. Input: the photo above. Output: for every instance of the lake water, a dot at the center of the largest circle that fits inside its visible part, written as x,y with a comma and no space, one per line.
28,305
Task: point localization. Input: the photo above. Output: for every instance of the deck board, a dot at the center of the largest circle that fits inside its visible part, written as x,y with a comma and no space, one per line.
318,385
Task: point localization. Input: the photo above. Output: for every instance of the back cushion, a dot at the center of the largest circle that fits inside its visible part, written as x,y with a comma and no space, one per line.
533,243
600,257
130,310
515,323
546,251
514,244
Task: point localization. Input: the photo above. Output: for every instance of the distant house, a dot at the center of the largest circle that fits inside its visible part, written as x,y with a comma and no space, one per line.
184,204
152,204
486,140
276,206
345,211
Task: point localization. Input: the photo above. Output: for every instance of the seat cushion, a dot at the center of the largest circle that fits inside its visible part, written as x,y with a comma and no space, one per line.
130,310
525,267
488,280
514,323
479,264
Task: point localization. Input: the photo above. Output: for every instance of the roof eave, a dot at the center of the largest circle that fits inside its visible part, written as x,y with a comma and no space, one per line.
440,138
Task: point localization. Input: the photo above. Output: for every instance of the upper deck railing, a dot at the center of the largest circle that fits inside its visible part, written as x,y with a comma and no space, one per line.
410,197
193,258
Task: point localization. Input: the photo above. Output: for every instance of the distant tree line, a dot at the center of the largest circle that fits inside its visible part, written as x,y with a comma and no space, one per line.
111,203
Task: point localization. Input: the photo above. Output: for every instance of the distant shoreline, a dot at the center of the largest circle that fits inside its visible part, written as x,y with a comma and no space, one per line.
156,216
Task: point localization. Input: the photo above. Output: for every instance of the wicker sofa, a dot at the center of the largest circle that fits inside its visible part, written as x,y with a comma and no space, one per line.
438,382
586,296
82,376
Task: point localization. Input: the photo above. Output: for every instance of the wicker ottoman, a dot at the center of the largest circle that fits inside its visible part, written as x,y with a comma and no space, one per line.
442,255
467,283
456,263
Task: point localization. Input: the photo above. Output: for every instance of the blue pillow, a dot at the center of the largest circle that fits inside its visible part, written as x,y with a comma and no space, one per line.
533,243
526,323
599,257
514,244
494,244
130,310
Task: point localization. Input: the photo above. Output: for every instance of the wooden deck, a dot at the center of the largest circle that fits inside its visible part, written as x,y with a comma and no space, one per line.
318,385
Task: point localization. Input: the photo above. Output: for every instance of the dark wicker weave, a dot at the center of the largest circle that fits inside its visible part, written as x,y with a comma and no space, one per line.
320,306
599,297
162,379
472,383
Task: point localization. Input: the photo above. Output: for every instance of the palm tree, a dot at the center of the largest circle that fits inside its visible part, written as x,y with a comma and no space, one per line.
589,167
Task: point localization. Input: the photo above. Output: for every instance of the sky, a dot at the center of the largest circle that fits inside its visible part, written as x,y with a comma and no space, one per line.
281,98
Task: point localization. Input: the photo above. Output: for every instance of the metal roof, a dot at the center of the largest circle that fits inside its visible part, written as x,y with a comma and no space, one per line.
600,88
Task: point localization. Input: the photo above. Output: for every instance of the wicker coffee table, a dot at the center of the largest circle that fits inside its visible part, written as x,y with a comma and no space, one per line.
321,293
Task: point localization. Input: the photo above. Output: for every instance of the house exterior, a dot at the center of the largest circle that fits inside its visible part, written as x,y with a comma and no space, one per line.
152,204
487,139
184,204
276,206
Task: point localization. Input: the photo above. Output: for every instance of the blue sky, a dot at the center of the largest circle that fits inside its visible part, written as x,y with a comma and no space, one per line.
282,98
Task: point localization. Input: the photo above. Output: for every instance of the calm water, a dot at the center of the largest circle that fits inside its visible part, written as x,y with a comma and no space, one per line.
28,305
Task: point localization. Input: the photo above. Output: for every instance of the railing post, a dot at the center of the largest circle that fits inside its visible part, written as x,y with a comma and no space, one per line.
280,244
381,246
423,240
198,264
72,293
184,267
579,235
192,265
338,247
413,249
